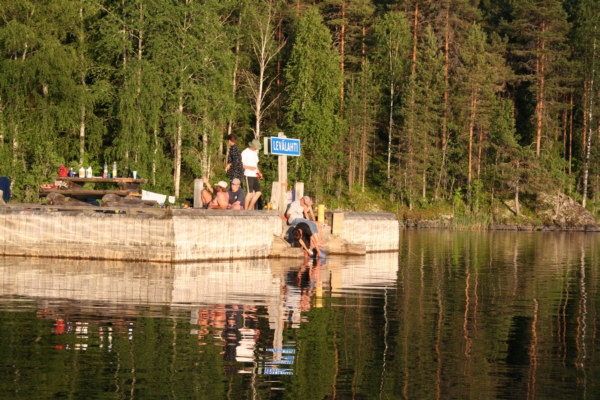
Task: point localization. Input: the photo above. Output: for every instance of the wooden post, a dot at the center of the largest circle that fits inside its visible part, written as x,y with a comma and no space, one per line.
198,186
299,190
282,165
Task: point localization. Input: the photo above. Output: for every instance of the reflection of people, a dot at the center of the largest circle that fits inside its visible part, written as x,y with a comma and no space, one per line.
237,197
231,333
235,168
251,173
221,198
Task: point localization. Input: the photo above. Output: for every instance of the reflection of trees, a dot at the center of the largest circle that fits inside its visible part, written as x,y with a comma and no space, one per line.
488,314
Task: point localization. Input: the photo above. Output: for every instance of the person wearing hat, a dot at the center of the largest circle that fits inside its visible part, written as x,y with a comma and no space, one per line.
251,173
237,197
220,200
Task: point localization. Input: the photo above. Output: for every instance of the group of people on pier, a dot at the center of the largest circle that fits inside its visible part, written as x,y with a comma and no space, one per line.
244,166
240,167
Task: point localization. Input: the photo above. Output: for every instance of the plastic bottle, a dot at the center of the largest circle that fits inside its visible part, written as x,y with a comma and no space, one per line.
114,171
82,172
105,171
88,172
71,173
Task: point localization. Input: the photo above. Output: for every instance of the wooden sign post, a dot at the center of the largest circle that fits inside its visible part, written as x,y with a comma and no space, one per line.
282,168
282,147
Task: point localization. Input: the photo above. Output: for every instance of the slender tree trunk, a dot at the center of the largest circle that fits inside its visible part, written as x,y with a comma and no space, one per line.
540,65
590,114
205,157
138,89
124,44
479,153
391,117
424,178
445,107
154,156
517,205
364,143
178,143
564,133
82,134
585,112
571,136
472,113
235,69
415,37
342,54
82,78
408,172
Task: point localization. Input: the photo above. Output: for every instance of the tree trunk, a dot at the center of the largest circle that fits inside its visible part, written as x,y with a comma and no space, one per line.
571,136
178,143
415,37
391,118
540,65
235,69
517,205
590,114
82,134
472,113
138,89
480,152
154,156
342,54
124,44
205,158
363,142
445,107
82,77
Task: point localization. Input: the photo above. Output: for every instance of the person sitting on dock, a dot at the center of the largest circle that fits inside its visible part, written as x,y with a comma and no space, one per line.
308,241
301,211
237,197
218,201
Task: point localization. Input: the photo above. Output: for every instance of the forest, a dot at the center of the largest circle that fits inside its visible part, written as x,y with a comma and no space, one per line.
399,105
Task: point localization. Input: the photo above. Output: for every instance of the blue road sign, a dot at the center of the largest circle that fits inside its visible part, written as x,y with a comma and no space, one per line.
285,146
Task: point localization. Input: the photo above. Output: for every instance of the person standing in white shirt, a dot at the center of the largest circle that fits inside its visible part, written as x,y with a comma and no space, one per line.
251,173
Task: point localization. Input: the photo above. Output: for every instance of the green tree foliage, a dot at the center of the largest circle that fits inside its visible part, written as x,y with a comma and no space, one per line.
313,86
405,93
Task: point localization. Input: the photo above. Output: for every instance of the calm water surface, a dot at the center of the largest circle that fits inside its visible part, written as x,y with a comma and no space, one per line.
452,315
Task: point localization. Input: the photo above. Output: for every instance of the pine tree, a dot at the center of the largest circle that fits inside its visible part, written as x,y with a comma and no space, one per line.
538,31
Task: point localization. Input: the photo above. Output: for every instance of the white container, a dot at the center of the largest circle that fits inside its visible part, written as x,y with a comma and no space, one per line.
88,172
82,172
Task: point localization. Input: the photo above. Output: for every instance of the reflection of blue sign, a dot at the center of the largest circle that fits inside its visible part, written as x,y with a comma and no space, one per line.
285,147
283,351
276,371
281,362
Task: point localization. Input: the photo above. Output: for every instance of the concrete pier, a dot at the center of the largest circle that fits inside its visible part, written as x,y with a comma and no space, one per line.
167,236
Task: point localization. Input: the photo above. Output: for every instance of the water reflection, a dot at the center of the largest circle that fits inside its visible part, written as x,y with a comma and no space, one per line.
452,315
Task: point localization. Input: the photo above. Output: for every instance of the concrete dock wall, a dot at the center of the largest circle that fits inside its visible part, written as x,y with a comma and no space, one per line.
167,236
377,230
192,235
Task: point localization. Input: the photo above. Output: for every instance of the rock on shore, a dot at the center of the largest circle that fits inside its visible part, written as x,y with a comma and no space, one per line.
561,210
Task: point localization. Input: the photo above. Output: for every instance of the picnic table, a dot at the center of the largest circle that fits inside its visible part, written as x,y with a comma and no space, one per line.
73,186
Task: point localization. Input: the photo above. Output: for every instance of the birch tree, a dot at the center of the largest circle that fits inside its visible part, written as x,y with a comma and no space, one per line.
264,47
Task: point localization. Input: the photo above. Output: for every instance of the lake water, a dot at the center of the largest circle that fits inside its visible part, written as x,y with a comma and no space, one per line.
452,315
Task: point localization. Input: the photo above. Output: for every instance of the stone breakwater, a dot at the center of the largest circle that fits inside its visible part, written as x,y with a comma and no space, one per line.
167,236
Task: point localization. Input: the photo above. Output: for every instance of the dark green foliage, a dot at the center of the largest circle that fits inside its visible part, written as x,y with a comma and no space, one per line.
156,85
